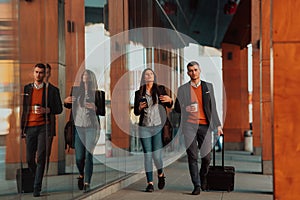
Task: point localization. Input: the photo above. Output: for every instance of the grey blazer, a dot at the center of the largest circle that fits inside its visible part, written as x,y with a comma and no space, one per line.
209,104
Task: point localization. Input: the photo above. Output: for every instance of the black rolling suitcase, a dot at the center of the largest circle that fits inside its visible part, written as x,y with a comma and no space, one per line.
25,180
24,176
220,177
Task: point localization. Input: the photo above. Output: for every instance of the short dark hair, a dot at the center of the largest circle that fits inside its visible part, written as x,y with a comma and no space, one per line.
48,66
192,63
41,66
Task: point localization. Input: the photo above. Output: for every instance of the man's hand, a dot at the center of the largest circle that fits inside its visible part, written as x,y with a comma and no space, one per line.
42,110
220,131
192,108
23,135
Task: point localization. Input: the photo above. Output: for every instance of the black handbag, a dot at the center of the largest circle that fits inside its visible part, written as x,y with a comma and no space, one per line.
69,135
167,132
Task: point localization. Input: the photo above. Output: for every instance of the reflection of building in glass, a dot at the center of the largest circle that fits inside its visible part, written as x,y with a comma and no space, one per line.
7,80
49,40
7,100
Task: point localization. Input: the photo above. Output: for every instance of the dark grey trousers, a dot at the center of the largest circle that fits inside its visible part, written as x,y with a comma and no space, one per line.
197,137
36,147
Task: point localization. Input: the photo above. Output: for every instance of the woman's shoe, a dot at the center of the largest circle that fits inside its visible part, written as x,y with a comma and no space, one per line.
80,182
161,182
150,188
86,187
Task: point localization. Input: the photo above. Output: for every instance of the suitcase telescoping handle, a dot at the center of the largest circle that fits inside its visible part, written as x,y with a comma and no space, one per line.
214,152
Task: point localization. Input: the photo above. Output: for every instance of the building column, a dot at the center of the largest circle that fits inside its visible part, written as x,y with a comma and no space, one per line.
256,80
285,73
118,23
266,104
236,103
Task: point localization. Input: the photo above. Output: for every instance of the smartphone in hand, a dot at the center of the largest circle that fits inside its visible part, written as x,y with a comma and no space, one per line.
143,99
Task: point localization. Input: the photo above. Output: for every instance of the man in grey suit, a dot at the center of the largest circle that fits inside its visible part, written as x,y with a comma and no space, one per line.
196,103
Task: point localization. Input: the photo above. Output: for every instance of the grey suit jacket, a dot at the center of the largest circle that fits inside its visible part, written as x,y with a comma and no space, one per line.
209,104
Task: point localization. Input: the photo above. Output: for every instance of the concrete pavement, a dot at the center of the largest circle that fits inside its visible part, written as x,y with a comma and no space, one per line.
249,182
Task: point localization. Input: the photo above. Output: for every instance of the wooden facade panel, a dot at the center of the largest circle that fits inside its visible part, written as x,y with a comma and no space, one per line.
38,33
118,23
266,81
75,42
265,29
286,24
51,31
119,126
233,135
267,138
118,16
31,32
286,120
256,125
255,22
235,78
266,105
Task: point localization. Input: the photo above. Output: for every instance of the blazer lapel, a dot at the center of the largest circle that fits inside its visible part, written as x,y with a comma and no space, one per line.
187,91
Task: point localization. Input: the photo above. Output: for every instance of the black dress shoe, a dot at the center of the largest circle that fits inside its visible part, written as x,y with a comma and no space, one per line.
203,183
196,190
36,193
161,182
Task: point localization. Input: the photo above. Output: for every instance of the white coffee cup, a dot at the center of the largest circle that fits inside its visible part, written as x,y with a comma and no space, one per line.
35,109
194,107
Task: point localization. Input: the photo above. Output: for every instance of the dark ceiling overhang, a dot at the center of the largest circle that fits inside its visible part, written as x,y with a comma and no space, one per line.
239,30
202,21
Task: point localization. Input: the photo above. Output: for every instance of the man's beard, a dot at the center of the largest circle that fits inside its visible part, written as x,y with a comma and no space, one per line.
39,80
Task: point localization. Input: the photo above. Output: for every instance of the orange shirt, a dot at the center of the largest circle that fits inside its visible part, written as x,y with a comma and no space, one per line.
197,117
36,119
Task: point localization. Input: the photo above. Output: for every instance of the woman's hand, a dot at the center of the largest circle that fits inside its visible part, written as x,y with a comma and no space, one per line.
90,105
143,105
69,99
165,99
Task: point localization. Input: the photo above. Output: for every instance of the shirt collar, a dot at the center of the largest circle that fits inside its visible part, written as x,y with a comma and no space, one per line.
38,86
194,84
